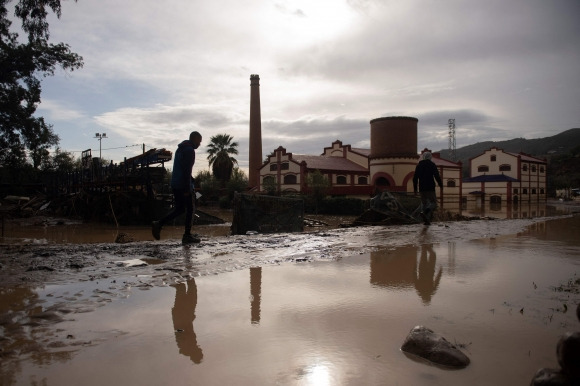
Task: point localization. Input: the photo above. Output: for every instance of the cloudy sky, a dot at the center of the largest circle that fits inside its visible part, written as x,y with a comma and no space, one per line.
156,70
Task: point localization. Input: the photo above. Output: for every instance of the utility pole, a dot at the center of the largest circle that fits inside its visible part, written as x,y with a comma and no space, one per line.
451,124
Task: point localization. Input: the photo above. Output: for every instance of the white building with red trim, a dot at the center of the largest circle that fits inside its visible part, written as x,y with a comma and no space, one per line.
497,177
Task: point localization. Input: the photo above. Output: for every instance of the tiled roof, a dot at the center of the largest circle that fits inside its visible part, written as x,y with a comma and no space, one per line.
491,178
365,152
526,157
328,163
443,162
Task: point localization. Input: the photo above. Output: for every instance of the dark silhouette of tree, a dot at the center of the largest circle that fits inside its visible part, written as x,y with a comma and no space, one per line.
220,151
318,186
22,64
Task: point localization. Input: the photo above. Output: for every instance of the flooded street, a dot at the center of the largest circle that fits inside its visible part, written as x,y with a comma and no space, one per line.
331,307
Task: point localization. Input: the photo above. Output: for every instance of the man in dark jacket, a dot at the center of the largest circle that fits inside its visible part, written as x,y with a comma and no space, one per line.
183,189
426,174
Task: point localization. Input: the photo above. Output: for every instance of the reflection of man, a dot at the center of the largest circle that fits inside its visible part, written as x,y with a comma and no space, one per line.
425,285
183,313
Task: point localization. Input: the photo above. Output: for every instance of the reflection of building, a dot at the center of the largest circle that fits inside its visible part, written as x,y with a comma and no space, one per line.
400,270
497,177
183,314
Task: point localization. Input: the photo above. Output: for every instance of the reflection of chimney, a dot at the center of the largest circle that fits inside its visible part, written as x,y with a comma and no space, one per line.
255,132
256,292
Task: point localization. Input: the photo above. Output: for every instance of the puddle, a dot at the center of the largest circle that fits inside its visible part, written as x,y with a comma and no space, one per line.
333,320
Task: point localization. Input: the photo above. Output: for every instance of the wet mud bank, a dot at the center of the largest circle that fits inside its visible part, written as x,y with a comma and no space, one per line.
34,264
326,303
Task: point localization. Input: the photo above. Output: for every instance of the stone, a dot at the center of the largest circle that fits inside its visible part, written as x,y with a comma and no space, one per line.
568,352
433,347
550,377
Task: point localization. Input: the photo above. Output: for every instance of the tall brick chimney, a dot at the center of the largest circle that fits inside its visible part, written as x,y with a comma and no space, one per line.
255,133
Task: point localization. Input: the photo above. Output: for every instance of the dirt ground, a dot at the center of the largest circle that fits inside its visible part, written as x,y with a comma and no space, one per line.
135,254
95,274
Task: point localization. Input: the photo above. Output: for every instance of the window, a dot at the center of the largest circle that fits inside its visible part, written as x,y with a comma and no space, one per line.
505,168
541,169
492,158
285,166
363,181
525,167
273,167
525,191
483,168
533,168
290,179
450,183
533,191
516,191
341,180
542,191
269,180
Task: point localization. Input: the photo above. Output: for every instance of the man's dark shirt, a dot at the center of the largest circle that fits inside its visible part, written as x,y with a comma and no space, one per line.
426,174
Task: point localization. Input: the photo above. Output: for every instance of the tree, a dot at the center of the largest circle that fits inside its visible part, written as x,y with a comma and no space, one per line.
318,186
21,66
237,183
220,151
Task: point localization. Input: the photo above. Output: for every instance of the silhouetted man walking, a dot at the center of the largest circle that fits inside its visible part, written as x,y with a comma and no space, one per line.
183,189
426,174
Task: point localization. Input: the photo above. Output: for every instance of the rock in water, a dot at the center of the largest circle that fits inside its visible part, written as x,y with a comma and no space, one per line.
426,344
550,377
568,351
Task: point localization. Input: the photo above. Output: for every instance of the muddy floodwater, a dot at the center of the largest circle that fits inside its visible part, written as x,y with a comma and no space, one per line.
326,307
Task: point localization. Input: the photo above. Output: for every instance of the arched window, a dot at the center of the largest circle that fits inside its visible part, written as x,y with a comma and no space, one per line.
495,199
341,180
541,169
483,168
290,179
492,158
533,168
273,167
525,167
505,168
269,180
450,183
515,190
525,191
363,181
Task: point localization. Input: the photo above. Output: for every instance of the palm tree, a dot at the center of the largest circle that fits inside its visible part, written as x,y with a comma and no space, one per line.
219,154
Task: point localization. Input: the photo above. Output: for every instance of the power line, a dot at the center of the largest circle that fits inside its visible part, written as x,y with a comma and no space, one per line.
110,148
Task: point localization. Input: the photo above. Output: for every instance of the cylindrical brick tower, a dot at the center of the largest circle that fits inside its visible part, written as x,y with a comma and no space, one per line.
393,154
393,137
255,160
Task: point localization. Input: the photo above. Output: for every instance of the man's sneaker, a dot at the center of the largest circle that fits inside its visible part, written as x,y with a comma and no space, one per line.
425,219
190,239
156,230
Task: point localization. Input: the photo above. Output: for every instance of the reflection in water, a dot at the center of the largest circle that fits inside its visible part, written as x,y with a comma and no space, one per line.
183,313
425,284
400,270
255,293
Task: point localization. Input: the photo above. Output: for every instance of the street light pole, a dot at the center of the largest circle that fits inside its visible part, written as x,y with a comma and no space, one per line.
100,136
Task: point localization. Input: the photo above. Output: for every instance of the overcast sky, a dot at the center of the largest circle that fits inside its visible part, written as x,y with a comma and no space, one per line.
156,70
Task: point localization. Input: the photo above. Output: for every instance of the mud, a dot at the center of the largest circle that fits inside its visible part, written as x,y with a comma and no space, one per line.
59,302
